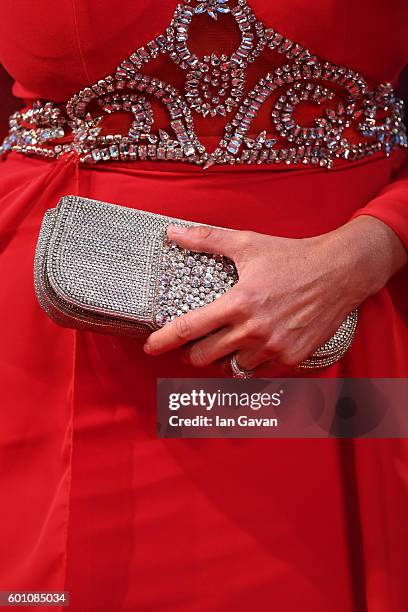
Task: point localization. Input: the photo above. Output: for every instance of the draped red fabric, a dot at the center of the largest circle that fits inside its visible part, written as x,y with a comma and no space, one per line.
91,501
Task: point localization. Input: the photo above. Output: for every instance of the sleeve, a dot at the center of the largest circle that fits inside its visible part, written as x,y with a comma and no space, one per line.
8,103
391,205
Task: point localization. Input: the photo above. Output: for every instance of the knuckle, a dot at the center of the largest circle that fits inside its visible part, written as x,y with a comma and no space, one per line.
183,327
245,242
234,304
289,359
203,231
243,302
198,356
254,331
275,345
246,237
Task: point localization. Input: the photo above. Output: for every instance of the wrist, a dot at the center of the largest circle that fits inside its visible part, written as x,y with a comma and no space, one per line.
368,250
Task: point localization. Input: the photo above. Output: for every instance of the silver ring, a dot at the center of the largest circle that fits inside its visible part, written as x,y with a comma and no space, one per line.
237,370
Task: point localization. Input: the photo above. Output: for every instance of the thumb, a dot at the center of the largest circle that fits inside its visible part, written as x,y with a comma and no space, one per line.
205,239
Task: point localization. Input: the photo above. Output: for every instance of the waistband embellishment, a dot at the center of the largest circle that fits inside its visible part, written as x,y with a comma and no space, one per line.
215,86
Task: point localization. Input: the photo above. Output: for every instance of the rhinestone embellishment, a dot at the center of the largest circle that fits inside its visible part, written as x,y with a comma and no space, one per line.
108,268
335,347
212,7
35,130
215,86
189,280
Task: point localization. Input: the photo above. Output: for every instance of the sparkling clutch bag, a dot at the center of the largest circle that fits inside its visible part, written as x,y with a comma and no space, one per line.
107,268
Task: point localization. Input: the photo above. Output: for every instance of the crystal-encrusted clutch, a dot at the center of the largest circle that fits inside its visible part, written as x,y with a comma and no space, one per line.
108,268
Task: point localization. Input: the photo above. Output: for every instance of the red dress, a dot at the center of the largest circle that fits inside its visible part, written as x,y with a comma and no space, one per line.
91,501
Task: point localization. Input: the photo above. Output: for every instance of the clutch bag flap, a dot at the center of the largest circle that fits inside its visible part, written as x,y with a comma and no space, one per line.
108,267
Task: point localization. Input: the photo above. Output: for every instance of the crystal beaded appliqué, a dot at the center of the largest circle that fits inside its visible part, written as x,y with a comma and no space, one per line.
215,86
190,280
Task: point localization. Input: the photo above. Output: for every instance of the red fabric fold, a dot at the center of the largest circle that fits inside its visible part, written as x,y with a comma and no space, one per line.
91,500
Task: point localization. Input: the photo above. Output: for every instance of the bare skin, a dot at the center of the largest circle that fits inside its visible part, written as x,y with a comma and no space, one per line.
292,294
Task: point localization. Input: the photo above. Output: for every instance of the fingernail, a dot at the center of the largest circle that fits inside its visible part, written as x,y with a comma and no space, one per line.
147,348
177,229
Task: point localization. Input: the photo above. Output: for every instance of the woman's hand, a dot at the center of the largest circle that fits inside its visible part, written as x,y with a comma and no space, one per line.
292,294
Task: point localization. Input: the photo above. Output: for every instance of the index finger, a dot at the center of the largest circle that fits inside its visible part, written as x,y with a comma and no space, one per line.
190,326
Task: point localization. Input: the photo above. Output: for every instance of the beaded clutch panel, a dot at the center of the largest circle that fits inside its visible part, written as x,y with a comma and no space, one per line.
108,268
355,118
